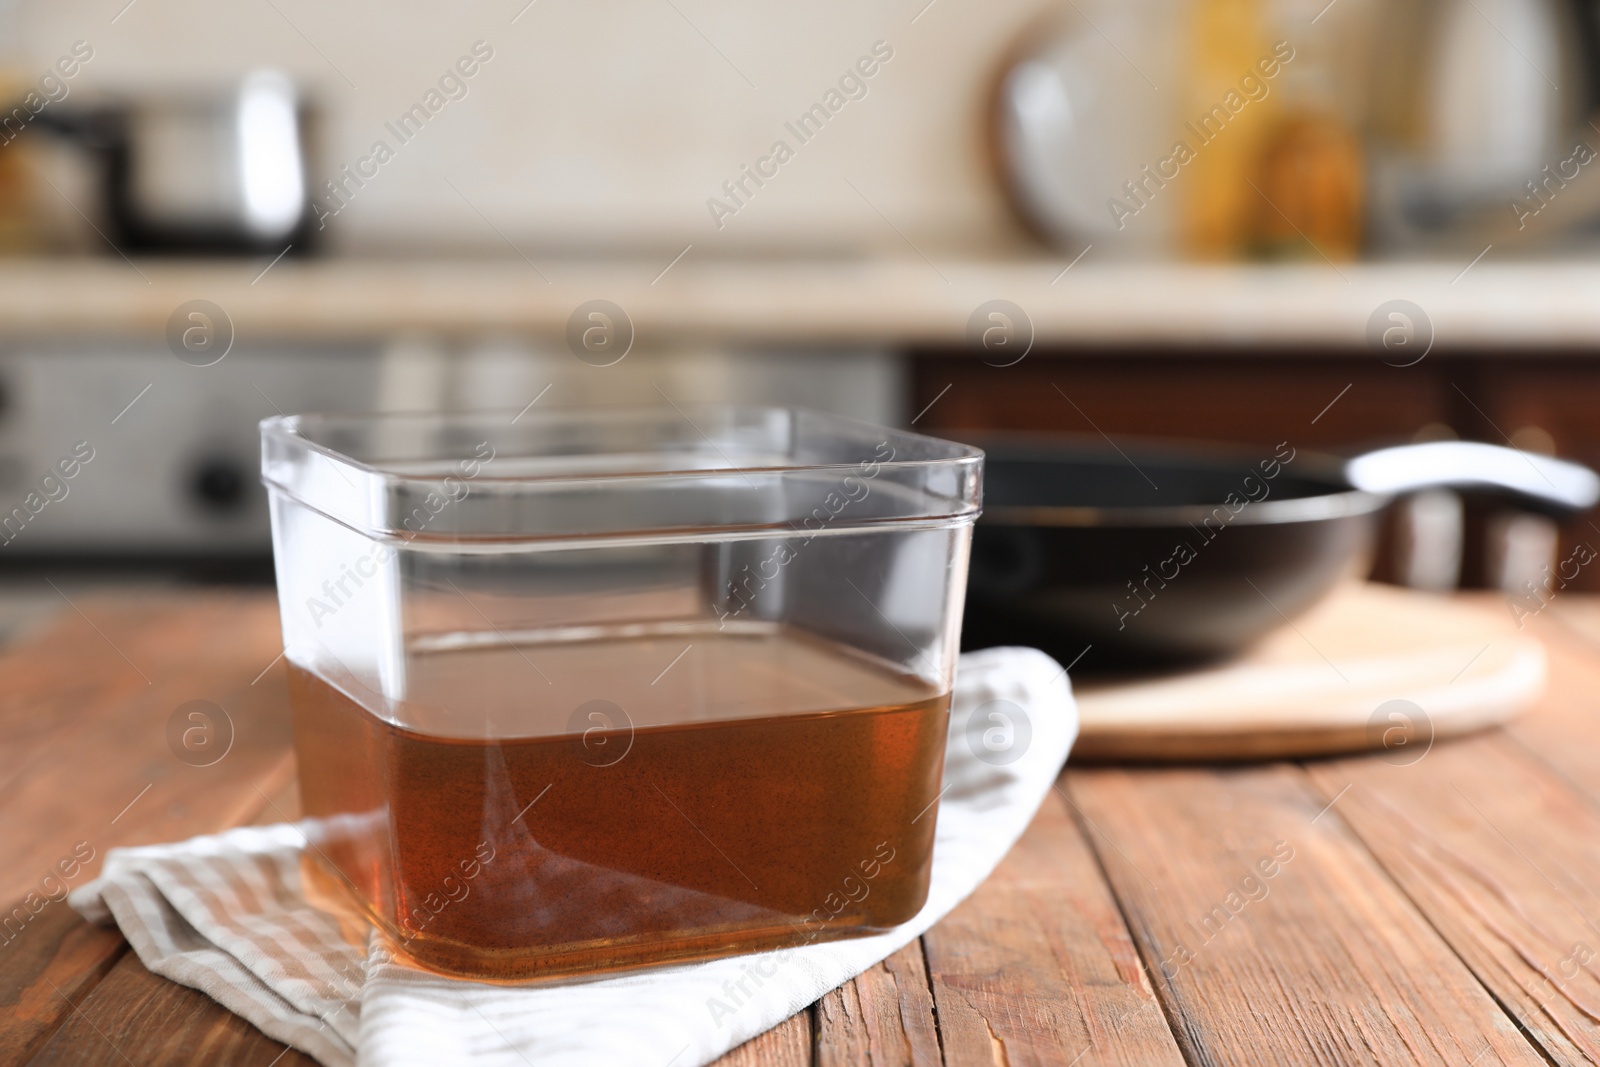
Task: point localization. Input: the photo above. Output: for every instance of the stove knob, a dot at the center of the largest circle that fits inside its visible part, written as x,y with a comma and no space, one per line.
217,484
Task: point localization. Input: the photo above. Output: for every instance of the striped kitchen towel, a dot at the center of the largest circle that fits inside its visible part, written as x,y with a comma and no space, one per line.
228,914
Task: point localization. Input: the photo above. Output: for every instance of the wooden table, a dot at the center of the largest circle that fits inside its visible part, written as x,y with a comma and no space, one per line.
1446,911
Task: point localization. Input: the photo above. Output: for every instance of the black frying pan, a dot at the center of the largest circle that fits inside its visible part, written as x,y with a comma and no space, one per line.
1157,553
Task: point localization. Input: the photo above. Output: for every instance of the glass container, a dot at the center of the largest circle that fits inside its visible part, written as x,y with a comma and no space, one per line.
585,691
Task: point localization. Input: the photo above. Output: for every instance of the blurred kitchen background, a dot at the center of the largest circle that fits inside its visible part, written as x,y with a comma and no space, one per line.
1337,224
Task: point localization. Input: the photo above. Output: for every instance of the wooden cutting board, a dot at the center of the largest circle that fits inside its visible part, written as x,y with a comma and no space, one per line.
1372,667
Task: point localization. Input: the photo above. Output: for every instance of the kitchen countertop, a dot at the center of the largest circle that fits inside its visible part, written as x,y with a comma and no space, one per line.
1431,909
1478,306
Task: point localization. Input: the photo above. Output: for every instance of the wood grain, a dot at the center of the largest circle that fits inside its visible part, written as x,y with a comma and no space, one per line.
1038,967
1499,854
1413,906
1493,838
95,734
58,957
48,689
83,765
883,1017
1580,615
1566,731
1311,689
135,1017
786,1045
1324,962
166,999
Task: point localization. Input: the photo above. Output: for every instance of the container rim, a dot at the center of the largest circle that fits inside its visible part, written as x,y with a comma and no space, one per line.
407,468
294,429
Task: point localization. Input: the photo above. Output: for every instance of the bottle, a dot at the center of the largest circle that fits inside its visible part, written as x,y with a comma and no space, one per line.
1226,110
22,213
1310,178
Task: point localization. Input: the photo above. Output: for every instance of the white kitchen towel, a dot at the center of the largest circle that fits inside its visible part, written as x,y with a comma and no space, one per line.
225,914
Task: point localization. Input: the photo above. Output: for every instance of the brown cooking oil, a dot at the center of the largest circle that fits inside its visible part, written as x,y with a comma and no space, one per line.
594,799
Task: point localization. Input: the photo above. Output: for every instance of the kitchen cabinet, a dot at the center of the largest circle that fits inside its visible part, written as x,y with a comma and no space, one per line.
1547,403
1319,402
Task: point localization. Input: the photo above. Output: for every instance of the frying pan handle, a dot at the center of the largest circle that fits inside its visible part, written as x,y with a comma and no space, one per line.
1554,483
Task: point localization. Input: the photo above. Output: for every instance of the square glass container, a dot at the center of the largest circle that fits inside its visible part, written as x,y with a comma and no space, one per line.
585,691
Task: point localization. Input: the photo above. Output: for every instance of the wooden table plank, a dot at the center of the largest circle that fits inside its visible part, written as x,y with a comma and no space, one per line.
122,1009
1500,855
1272,935
87,762
1038,966
97,734
1580,615
1566,731
47,689
166,999
55,961
883,1017
136,1017
786,1045
1499,852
